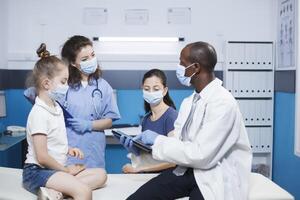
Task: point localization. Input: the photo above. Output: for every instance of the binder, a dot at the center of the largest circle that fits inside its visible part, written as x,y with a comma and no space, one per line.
238,55
257,112
258,139
269,56
253,80
229,82
230,55
269,112
269,84
269,140
250,56
258,61
236,84
259,84
241,84
251,138
266,140
243,110
264,110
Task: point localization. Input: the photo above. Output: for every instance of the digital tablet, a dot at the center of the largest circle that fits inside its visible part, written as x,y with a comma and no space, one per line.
67,115
136,143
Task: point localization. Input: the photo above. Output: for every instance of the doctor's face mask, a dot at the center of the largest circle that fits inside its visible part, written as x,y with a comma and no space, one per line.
180,73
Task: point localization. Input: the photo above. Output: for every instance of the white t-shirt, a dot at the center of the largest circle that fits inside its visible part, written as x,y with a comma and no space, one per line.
49,121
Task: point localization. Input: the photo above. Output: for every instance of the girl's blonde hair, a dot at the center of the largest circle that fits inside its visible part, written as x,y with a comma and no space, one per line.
47,66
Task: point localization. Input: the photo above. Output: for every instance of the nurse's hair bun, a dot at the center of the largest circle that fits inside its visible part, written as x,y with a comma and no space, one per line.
42,51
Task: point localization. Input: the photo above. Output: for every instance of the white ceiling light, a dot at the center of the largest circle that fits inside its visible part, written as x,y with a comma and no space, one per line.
138,39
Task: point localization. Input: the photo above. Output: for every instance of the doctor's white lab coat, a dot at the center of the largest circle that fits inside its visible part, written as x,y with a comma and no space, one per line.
218,148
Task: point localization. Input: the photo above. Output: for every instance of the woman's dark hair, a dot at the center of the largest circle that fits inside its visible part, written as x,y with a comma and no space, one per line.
47,66
69,52
161,75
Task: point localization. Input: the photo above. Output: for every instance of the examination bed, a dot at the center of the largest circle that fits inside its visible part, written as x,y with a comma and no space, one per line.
120,186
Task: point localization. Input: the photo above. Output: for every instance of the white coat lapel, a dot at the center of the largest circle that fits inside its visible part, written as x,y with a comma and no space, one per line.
198,119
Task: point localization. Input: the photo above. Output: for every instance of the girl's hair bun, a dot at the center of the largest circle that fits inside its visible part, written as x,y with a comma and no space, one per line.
42,51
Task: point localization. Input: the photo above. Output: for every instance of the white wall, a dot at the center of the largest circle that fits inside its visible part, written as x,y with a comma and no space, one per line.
53,21
3,33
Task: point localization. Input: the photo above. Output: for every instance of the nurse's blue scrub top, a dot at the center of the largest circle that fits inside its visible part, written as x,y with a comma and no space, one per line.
80,104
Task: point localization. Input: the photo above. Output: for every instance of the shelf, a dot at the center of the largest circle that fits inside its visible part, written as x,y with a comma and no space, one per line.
249,77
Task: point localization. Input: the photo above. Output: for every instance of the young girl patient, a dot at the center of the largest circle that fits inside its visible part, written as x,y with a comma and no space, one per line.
45,171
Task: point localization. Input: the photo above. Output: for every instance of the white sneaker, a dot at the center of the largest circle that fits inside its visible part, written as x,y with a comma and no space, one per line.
49,194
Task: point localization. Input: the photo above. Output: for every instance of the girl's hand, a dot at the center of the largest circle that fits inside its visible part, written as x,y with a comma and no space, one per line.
75,152
75,169
128,169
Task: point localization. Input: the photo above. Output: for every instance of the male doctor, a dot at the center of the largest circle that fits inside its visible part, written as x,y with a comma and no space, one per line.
211,147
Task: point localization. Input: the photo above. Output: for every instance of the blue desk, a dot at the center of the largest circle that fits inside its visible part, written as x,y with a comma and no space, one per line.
11,154
8,141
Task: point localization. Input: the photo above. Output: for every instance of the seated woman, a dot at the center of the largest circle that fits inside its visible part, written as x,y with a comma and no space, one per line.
160,117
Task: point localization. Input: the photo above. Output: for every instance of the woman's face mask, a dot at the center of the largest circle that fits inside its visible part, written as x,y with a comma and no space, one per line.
88,67
153,98
180,73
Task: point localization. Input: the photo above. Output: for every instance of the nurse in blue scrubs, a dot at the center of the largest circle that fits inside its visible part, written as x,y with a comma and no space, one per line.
160,117
89,100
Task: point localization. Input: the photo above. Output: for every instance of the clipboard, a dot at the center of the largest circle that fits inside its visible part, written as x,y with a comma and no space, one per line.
66,114
136,143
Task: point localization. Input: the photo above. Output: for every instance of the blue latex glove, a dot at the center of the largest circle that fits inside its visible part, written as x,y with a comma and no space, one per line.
147,137
80,125
128,144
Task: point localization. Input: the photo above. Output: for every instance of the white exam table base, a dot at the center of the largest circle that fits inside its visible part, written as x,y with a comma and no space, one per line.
120,186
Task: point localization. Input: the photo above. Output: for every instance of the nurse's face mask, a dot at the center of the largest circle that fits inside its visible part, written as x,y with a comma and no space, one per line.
88,67
86,60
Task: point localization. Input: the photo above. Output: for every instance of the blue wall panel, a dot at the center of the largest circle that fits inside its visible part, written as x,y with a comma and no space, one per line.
286,166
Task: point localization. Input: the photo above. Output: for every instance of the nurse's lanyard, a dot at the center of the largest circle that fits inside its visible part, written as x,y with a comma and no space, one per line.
95,92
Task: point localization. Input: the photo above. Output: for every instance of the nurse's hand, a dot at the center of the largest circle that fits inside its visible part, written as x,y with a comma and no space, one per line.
128,144
75,169
30,94
80,125
147,137
75,152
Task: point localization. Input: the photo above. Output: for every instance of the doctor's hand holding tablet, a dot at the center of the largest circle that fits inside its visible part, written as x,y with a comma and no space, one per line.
133,145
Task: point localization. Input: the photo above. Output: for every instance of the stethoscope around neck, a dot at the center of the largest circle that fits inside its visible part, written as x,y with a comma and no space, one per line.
95,92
